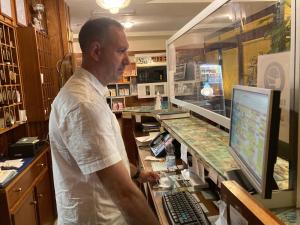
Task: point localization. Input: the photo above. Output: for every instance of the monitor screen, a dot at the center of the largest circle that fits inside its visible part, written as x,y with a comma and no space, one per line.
254,134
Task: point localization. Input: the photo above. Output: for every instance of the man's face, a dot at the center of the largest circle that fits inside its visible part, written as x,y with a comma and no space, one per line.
114,55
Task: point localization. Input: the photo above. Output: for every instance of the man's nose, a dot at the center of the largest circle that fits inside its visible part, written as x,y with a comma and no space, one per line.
126,60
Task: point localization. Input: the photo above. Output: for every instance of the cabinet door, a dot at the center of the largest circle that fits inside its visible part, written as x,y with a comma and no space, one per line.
45,200
26,213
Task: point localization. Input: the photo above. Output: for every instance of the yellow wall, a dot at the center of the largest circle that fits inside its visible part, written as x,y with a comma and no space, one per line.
251,50
230,70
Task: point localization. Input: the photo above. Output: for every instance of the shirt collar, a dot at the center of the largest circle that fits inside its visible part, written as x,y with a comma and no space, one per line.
102,90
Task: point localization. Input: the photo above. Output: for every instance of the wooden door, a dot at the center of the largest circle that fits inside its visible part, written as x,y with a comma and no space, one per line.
26,213
45,201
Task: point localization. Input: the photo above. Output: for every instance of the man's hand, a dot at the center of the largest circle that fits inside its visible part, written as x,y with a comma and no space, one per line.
148,176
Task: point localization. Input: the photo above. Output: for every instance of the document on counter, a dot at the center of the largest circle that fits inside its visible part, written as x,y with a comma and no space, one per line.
11,164
183,150
153,158
159,166
5,175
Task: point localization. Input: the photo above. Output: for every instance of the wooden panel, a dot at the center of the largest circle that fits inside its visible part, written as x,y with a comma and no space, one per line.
239,199
230,70
39,129
26,214
126,126
11,137
229,34
30,70
44,199
37,71
258,23
56,44
17,190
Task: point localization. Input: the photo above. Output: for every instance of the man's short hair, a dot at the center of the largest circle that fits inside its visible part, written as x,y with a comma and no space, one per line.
95,30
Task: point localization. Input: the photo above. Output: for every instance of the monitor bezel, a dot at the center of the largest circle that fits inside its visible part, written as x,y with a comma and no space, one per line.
269,158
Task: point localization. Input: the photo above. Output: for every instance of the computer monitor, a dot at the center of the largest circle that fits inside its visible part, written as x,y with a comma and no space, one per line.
254,129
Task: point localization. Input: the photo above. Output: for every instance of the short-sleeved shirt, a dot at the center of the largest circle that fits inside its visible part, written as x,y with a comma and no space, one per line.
85,137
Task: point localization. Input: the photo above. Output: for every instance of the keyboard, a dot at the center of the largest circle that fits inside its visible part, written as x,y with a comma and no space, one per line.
182,208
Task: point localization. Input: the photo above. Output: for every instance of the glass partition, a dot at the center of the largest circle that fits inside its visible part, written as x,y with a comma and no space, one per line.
230,43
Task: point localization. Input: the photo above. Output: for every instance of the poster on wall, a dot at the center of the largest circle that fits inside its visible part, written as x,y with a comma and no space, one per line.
273,73
21,13
6,7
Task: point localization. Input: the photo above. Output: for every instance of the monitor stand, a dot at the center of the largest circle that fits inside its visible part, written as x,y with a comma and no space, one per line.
238,176
280,198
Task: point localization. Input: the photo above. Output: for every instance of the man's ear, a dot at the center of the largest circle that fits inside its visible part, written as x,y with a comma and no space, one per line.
95,50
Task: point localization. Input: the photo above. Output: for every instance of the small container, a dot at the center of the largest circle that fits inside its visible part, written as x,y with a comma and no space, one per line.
170,157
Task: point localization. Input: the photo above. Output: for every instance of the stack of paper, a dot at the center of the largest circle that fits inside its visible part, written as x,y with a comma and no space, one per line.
172,115
6,175
12,164
146,140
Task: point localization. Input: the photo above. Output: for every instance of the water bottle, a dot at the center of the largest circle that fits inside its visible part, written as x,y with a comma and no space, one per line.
170,157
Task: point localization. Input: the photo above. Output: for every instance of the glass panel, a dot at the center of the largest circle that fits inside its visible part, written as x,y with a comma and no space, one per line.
244,43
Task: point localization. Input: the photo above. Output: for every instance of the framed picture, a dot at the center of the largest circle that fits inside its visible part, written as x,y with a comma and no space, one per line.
6,8
21,12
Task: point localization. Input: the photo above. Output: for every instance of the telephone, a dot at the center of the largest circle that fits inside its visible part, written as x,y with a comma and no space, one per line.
157,146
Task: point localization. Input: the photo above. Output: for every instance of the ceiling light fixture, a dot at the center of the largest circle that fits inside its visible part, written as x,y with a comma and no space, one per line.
127,24
113,5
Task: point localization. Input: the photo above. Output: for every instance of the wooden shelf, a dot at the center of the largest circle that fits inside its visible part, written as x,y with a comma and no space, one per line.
11,92
4,130
38,72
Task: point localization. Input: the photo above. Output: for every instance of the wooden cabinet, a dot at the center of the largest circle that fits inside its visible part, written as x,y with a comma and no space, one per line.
26,213
28,198
10,79
44,200
35,55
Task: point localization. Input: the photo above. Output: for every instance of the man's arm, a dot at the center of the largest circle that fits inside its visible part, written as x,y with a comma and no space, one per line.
126,195
144,175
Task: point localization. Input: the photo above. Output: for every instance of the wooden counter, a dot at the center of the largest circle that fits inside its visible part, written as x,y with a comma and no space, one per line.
28,198
155,194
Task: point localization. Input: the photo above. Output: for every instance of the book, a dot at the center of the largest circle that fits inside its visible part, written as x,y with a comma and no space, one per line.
172,115
149,127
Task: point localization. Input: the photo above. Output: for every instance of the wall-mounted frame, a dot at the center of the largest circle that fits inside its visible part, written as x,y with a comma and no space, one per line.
21,12
6,8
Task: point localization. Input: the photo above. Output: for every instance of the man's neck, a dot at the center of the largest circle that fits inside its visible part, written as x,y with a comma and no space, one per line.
96,74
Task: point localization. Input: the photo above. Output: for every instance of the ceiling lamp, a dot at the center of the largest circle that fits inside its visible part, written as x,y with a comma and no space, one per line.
113,5
127,24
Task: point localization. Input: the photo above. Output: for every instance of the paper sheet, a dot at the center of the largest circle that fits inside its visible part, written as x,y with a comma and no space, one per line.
183,150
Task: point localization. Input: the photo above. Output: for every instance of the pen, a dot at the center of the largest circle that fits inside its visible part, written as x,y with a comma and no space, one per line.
9,168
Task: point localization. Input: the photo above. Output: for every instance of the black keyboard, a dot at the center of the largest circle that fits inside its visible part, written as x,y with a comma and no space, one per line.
182,208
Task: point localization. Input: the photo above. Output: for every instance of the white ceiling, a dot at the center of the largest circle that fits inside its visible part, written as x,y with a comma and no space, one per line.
150,17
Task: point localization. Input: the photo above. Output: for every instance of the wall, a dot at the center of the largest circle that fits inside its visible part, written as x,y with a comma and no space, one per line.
143,44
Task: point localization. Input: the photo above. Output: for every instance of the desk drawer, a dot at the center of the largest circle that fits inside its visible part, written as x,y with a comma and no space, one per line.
25,180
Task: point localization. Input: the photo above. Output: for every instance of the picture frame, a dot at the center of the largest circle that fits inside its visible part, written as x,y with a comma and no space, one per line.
21,12
6,9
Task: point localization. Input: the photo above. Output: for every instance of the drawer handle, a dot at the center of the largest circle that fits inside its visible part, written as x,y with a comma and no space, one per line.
40,195
42,165
18,190
34,202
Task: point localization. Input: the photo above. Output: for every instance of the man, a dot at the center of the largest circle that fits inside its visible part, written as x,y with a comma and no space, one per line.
90,166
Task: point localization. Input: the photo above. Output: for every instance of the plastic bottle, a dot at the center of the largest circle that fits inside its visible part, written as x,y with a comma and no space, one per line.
170,157
157,101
